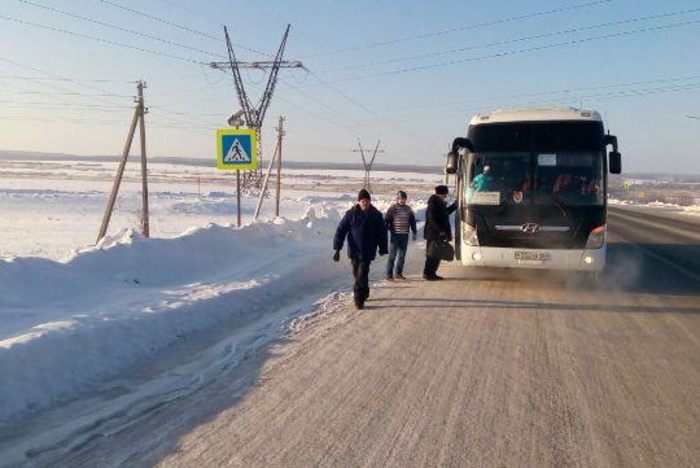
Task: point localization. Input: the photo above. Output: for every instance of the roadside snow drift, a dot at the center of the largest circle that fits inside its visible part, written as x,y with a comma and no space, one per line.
70,325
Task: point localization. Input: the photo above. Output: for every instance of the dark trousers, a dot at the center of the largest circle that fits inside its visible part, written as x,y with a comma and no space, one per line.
431,263
360,270
397,252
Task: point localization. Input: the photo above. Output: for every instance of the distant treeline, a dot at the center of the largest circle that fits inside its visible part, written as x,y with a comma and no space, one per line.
201,162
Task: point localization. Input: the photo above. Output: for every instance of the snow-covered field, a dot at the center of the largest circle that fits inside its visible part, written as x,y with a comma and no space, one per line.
690,210
81,324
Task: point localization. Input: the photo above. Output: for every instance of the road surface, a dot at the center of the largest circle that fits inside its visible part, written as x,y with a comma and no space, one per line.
484,369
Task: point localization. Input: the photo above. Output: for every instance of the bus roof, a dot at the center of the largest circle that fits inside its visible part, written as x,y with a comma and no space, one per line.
536,115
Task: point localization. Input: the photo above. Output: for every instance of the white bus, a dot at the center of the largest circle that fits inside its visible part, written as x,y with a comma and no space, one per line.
531,188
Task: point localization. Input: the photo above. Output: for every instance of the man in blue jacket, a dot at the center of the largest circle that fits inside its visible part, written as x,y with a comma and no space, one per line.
364,227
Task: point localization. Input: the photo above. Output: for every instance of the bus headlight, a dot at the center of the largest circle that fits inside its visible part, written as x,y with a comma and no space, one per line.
470,236
596,239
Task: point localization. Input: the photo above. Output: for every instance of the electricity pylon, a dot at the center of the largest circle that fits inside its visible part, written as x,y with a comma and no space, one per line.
254,115
368,165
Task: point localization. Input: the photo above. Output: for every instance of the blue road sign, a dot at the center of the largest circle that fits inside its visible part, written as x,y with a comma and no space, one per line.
236,149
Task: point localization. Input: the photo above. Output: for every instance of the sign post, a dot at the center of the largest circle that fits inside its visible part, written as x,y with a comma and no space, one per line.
236,150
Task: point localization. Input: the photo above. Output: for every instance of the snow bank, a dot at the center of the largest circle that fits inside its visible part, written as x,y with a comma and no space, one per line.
70,325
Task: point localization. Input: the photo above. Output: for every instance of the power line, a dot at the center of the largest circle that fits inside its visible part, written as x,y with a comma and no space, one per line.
392,122
561,91
520,51
353,122
101,98
178,26
68,120
332,108
73,93
511,41
346,98
31,104
42,78
160,20
487,104
62,90
119,28
464,28
99,39
161,117
323,82
343,94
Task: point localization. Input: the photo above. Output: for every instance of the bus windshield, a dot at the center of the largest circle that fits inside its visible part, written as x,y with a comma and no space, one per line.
571,178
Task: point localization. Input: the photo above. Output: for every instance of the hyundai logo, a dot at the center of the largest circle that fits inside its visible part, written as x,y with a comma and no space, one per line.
530,228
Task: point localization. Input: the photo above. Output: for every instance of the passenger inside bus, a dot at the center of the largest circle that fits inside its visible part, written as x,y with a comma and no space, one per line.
521,192
484,181
577,188
565,184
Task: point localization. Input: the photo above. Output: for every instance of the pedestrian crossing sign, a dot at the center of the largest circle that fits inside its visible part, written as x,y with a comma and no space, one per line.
236,149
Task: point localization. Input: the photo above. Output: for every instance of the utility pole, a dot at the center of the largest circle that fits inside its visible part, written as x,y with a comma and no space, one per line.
139,112
275,162
254,115
280,136
145,225
368,165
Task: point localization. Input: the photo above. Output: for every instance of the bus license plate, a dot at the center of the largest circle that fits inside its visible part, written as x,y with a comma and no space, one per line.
537,256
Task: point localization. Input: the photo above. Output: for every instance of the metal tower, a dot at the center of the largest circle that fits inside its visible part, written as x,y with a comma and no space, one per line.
254,115
368,165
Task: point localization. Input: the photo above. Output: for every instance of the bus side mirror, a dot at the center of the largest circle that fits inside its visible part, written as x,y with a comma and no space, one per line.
615,163
615,160
451,163
462,143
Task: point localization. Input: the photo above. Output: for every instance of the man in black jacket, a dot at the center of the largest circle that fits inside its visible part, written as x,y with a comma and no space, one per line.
364,227
437,228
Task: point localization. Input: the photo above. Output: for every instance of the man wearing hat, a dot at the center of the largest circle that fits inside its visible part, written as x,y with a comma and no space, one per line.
364,227
400,221
437,228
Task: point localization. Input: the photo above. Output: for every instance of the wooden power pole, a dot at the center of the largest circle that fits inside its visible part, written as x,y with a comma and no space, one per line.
276,161
280,135
139,113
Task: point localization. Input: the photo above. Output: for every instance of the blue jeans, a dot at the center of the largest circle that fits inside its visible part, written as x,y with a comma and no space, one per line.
398,245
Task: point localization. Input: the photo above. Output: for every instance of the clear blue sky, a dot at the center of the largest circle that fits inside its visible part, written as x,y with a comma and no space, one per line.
410,73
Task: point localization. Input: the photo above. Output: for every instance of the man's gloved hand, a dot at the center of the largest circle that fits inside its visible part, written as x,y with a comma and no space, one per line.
336,256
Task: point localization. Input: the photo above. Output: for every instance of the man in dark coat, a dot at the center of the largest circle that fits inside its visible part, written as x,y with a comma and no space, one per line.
437,228
364,227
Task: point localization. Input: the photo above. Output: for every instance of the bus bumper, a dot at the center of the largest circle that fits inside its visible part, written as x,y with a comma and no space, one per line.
592,260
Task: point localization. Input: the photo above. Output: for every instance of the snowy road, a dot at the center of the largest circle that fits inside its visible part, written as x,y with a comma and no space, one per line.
483,369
